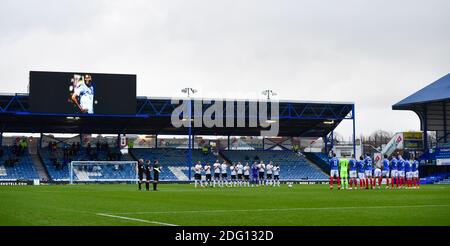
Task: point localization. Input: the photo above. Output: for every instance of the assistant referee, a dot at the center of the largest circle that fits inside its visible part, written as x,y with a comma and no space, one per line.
156,171
140,170
148,170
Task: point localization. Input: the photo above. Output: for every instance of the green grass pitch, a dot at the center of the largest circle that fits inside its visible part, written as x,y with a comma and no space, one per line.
183,205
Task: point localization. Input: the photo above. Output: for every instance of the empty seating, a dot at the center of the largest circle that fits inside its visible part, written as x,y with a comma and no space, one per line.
292,165
60,172
174,162
22,169
438,178
321,155
443,155
175,166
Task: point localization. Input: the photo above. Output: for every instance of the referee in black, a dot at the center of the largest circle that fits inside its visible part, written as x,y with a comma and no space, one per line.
148,170
156,171
140,171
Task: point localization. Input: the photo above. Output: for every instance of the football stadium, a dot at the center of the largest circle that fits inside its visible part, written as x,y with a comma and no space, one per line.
83,158
219,121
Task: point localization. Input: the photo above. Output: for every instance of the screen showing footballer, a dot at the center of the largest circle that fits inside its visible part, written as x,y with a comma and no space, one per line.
82,93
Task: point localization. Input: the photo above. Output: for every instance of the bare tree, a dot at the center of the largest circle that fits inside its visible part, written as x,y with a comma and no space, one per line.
380,137
376,140
432,138
338,138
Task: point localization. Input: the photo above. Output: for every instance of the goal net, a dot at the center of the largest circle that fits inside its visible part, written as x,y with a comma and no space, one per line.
103,171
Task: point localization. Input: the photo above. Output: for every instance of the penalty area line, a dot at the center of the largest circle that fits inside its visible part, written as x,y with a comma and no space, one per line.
135,219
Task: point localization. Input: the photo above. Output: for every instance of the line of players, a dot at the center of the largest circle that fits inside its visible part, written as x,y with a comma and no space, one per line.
258,174
398,173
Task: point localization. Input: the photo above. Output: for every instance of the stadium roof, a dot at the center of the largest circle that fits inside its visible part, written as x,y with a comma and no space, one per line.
296,118
437,91
432,105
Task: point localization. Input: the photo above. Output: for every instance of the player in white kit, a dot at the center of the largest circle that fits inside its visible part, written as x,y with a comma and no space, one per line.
233,171
269,172
198,174
247,175
276,175
216,173
207,169
261,170
377,174
240,172
224,178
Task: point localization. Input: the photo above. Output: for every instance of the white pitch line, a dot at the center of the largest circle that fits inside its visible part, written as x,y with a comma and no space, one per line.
134,219
279,209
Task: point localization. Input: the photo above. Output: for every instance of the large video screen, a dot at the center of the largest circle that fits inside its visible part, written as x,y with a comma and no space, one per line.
82,93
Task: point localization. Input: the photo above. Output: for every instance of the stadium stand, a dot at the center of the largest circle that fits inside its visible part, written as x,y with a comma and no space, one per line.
16,167
437,178
173,161
443,155
432,105
322,156
444,181
56,160
292,165
153,116
318,158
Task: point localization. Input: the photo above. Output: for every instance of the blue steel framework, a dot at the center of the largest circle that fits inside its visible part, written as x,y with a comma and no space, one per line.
433,117
432,105
156,107
447,132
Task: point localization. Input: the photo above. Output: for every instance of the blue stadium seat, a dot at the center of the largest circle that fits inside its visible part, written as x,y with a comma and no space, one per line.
173,161
292,166
321,155
23,169
100,172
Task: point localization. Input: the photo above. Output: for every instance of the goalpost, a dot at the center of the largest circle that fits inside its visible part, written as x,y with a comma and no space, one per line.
103,171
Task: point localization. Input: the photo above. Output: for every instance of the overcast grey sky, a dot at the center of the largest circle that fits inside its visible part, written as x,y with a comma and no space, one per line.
373,53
